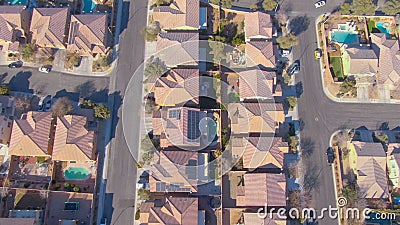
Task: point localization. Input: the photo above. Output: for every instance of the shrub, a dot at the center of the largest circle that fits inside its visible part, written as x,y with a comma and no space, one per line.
27,51
27,184
137,214
66,185
4,89
144,194
76,189
101,111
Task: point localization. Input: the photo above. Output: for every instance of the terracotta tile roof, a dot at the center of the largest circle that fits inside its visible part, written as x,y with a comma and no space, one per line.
179,127
11,22
181,14
174,211
177,86
372,180
258,25
389,60
73,142
88,34
362,61
260,52
255,83
265,189
30,135
17,221
48,27
369,149
261,152
178,48
251,117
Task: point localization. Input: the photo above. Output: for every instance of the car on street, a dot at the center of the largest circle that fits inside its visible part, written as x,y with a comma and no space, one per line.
45,69
317,53
330,154
16,64
294,68
319,4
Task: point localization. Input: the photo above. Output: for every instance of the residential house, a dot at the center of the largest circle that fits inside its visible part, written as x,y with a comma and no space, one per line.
184,127
49,27
172,210
256,117
182,46
252,218
260,189
393,163
361,61
258,84
261,53
32,134
179,15
258,25
389,60
260,152
178,171
88,34
72,140
14,26
368,162
177,86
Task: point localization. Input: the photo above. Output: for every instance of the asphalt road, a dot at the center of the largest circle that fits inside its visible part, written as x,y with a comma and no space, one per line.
57,84
121,175
321,115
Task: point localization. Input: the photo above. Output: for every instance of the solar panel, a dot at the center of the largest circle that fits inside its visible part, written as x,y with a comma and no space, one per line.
193,125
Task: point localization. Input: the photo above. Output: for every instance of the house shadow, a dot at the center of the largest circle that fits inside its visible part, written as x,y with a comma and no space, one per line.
20,82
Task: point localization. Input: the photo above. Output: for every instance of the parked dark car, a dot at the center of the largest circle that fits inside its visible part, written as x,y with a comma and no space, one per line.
294,68
16,64
330,154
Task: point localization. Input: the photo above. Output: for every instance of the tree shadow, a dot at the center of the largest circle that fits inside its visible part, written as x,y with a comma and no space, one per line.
117,99
3,77
299,24
307,147
86,89
20,82
383,126
299,89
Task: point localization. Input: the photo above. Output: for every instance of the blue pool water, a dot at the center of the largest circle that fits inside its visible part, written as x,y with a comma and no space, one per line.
384,28
88,6
344,37
18,2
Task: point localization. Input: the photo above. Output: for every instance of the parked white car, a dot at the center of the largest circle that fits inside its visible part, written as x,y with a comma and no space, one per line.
44,69
319,4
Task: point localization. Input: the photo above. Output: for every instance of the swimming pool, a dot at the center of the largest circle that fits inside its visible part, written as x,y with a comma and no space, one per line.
76,173
384,28
88,6
18,2
344,37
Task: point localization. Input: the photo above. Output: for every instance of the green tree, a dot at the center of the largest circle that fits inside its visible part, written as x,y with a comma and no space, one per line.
76,189
154,68
391,7
269,5
137,214
227,4
147,157
4,89
216,2
350,192
101,111
217,49
87,104
150,32
291,101
254,7
347,86
144,194
238,39
293,143
218,153
62,106
345,9
287,41
363,7
381,137
27,51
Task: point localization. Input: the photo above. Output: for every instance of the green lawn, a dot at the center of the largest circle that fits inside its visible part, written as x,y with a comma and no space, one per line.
336,67
372,27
